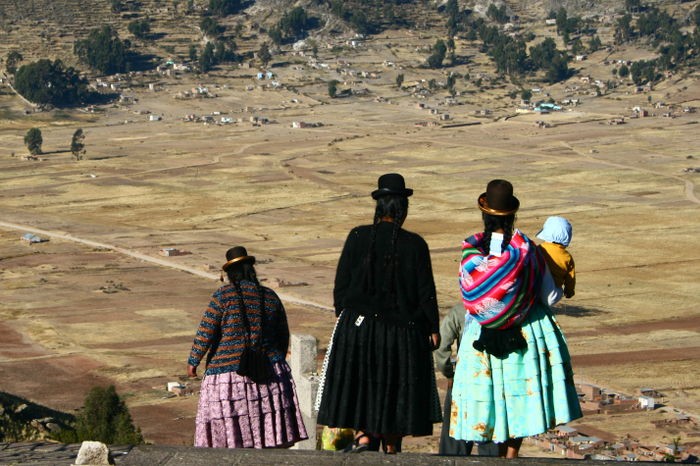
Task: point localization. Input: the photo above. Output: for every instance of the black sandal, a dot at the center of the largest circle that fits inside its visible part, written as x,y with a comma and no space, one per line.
356,446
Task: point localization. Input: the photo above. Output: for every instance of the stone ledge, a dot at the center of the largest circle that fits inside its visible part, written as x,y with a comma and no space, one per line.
172,456
44,454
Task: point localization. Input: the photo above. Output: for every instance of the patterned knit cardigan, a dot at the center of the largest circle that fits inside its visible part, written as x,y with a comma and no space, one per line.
499,291
222,331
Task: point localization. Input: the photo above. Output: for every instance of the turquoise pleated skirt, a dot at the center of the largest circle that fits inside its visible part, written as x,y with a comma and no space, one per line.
524,394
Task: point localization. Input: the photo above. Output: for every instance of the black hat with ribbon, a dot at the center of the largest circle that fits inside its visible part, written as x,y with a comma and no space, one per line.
235,255
391,183
498,199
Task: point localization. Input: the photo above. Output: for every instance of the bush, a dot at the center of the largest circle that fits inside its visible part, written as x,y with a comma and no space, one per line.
33,140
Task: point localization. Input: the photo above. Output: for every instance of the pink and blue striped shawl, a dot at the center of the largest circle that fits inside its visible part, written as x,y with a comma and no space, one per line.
499,291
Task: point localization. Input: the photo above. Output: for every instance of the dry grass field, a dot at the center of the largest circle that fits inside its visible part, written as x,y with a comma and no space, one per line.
97,304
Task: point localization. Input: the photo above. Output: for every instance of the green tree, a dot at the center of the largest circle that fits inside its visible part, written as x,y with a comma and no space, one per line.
210,27
332,88
498,14
542,53
453,17
436,58
623,72
224,7
275,35
562,20
399,80
140,28
594,44
33,141
558,70
206,58
623,29
292,26
103,50
264,54
77,145
116,6
12,60
633,6
47,82
192,52
526,95
106,418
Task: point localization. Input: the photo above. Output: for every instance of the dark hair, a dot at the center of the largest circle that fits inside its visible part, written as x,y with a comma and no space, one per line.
493,223
395,207
243,270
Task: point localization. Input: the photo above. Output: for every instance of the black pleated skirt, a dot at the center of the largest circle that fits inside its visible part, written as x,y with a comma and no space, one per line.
378,378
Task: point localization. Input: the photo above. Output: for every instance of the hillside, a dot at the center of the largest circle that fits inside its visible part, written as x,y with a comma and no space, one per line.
49,29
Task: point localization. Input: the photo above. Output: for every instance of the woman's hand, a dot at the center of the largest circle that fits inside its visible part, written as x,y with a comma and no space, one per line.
191,371
434,341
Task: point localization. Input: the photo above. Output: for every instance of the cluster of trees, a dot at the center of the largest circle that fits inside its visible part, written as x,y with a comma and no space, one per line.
499,15
372,16
103,51
217,52
509,53
566,25
511,58
663,31
292,26
50,82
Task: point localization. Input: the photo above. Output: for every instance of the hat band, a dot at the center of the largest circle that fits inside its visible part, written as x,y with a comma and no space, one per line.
234,260
483,205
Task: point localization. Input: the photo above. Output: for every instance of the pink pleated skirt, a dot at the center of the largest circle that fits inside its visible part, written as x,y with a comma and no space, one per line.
235,412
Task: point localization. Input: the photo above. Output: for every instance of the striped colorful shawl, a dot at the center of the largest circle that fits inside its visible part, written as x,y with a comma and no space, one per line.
499,291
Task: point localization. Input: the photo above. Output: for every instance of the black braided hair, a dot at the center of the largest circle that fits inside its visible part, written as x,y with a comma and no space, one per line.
369,256
396,208
493,223
244,271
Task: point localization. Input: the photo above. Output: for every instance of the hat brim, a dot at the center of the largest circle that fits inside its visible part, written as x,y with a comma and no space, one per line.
377,193
236,260
484,206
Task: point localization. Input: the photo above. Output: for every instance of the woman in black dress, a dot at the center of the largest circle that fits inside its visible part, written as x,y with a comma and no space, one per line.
378,376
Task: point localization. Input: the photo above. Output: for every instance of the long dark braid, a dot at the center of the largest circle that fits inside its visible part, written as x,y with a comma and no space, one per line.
368,260
493,223
396,208
245,271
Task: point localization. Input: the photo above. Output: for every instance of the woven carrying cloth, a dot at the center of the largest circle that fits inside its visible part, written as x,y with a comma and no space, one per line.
499,291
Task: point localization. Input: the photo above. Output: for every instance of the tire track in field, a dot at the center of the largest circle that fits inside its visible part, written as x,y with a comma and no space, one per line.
146,258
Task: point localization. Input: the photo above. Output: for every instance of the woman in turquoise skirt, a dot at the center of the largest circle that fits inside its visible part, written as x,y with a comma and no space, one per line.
513,377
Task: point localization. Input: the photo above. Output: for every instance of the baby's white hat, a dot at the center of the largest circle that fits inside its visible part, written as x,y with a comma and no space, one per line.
556,230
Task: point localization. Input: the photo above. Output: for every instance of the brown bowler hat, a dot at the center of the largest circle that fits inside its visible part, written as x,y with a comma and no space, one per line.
237,254
498,199
391,183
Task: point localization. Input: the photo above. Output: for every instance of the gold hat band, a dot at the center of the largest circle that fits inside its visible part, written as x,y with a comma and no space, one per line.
236,259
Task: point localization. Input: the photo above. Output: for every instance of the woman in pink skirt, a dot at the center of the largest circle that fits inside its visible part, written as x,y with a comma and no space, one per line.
234,410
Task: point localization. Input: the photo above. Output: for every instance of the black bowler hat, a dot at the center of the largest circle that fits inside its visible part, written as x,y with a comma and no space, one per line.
498,199
237,254
391,183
